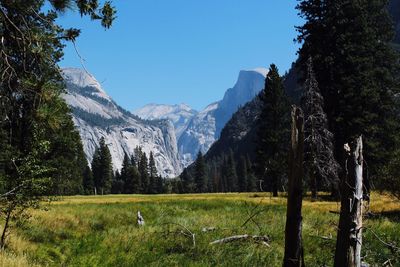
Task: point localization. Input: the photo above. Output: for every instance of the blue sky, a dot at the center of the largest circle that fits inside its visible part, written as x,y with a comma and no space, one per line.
183,51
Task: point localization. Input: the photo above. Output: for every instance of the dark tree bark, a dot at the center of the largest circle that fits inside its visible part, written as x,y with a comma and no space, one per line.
5,229
293,231
275,185
349,238
313,184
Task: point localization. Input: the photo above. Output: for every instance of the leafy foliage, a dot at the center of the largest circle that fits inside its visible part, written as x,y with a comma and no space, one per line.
42,153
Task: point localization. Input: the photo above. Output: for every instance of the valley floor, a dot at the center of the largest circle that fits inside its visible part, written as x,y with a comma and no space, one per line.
102,231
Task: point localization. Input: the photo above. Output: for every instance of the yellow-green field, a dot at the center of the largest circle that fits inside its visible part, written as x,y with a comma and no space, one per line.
102,231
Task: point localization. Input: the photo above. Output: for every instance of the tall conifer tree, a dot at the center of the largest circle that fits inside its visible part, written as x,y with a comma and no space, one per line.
144,173
273,134
88,183
102,168
242,175
321,166
251,178
356,69
126,176
188,183
152,175
231,174
200,176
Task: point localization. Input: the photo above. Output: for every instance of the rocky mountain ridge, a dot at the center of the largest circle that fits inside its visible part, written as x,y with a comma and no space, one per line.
96,115
202,129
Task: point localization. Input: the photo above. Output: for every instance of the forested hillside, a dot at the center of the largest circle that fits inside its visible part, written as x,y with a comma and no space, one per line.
239,137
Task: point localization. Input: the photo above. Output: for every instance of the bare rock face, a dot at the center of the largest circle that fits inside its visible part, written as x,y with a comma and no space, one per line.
180,115
96,115
197,131
174,133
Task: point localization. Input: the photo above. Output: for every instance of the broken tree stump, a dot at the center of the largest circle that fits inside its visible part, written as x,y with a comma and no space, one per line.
293,231
349,237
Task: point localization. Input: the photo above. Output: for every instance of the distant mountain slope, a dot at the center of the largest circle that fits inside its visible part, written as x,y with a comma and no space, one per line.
248,85
96,115
240,132
200,134
180,115
204,128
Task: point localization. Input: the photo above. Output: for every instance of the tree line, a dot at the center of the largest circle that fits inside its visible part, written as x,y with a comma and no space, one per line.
138,174
224,175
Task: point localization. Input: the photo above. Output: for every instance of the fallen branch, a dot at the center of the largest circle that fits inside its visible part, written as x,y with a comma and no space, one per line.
334,212
251,218
387,263
208,229
323,237
185,231
389,245
259,239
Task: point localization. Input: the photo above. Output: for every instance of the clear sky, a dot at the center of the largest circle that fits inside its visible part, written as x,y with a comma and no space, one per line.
183,51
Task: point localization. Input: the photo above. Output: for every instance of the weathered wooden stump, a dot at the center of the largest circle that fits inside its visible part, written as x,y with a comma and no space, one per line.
293,231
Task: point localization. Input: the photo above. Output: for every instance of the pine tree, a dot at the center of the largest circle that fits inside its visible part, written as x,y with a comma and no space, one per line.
231,174
33,118
136,186
321,166
117,186
102,168
65,154
96,170
126,176
88,183
200,177
137,155
152,175
214,177
187,182
356,69
160,185
251,178
243,175
144,173
273,134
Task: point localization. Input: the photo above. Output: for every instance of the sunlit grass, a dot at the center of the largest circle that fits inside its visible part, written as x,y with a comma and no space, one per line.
102,231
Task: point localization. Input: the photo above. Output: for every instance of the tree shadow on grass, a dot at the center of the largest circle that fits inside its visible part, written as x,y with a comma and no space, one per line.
322,197
393,215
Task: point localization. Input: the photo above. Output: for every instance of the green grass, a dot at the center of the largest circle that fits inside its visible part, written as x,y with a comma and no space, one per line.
102,231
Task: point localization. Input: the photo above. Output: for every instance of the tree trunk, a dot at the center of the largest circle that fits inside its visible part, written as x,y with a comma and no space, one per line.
275,189
4,234
313,179
293,231
349,237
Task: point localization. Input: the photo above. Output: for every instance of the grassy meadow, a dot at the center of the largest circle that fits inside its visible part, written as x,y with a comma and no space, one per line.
102,231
